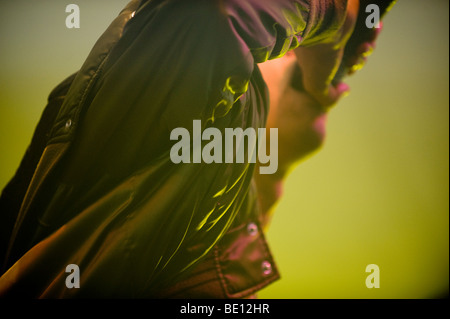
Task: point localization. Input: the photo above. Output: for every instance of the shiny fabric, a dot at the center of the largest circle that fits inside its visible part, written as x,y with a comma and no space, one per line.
105,195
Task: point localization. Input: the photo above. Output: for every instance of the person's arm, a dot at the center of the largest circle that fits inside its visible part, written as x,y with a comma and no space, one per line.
300,121
297,113
320,62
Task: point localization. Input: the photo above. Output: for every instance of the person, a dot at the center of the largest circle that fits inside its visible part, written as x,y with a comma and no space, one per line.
97,188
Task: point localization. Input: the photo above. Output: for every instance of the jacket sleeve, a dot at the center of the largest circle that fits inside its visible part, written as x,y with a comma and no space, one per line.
270,28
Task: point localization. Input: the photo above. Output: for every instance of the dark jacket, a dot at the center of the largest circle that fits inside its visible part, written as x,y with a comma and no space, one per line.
97,187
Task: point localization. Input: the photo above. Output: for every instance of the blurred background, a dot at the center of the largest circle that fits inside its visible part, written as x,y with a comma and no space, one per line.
377,192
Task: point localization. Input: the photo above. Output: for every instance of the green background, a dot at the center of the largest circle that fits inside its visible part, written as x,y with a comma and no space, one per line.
377,192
